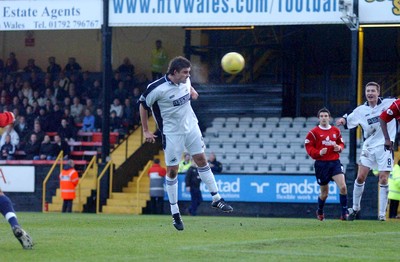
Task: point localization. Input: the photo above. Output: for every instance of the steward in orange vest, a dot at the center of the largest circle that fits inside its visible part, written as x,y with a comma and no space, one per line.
68,181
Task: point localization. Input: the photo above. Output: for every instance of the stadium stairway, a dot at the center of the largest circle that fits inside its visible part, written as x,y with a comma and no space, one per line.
87,183
134,196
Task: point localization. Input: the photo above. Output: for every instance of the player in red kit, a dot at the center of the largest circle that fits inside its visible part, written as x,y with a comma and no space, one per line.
6,206
393,112
324,144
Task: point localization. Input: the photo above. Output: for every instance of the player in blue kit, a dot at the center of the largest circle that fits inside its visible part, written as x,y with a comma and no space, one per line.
169,100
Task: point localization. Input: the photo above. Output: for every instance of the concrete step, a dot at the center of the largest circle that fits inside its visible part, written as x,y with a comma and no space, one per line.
58,207
121,210
126,202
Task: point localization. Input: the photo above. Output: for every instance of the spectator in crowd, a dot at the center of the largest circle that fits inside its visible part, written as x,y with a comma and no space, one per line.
9,130
63,81
98,119
27,90
61,145
95,90
3,103
37,98
15,104
47,149
72,66
32,67
88,121
36,81
55,117
127,67
30,117
121,93
48,95
21,127
43,119
77,110
193,181
32,148
59,93
69,179
12,64
185,163
128,117
90,105
12,91
115,122
115,80
54,69
67,115
394,191
37,130
216,166
157,179
7,149
48,105
158,60
67,102
48,83
117,107
66,131
86,83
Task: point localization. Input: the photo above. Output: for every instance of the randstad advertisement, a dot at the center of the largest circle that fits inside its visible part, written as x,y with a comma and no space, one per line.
264,188
379,11
223,12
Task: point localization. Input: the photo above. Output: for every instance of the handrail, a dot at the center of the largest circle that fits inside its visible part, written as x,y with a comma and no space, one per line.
59,158
89,166
144,172
98,184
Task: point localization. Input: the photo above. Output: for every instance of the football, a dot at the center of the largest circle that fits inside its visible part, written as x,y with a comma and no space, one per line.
232,63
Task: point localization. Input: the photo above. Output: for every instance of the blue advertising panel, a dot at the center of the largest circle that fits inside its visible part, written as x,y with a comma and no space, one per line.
264,188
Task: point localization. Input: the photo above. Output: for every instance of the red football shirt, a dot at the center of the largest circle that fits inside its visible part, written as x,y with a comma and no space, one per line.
319,138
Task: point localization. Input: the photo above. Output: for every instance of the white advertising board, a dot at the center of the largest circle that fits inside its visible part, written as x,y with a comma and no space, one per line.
379,11
51,15
222,12
17,178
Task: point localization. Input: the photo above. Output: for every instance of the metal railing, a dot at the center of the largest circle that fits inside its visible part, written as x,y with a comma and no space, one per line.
143,173
89,166
58,159
108,166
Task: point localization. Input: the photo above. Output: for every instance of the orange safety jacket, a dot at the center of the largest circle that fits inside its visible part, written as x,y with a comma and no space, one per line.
68,180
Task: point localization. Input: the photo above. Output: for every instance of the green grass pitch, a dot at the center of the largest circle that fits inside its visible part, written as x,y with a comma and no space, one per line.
91,237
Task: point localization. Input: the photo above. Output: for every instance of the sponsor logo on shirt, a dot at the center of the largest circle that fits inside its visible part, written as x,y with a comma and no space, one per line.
389,112
373,120
182,100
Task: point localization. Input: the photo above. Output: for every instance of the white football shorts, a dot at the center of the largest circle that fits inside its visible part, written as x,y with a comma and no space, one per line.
377,158
175,145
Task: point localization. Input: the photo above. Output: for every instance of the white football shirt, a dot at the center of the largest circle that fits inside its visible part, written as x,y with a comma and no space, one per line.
170,105
368,118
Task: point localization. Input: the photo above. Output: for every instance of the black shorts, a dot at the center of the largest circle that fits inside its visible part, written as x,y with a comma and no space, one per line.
325,170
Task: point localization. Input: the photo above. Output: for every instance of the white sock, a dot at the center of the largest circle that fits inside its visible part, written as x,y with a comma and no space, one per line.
383,199
208,178
357,194
172,192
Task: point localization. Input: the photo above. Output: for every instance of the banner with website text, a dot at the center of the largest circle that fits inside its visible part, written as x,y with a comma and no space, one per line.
17,178
263,188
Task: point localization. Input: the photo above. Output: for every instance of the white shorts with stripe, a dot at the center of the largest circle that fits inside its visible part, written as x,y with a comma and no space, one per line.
175,145
377,158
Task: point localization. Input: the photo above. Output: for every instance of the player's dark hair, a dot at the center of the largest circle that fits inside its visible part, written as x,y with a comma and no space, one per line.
323,110
378,87
156,161
178,63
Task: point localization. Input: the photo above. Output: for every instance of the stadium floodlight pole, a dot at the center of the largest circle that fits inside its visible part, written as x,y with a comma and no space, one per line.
107,72
354,83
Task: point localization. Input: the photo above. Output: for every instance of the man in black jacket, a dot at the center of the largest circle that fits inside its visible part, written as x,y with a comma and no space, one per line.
193,181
